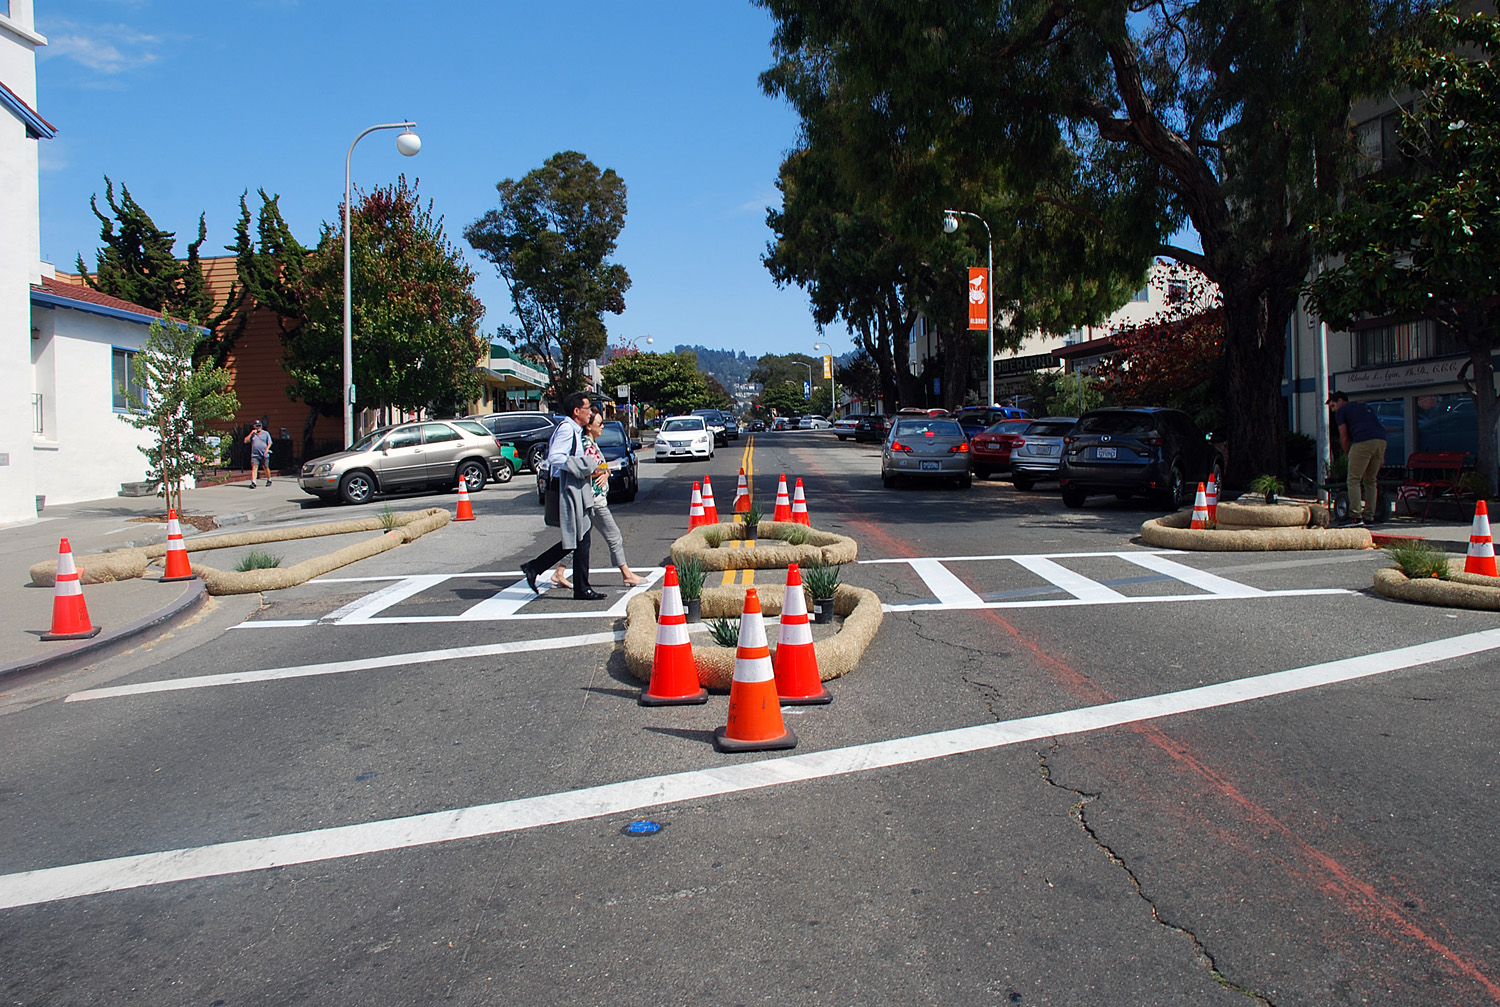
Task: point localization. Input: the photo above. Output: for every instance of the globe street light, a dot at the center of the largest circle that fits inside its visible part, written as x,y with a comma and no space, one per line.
950,225
408,143
833,384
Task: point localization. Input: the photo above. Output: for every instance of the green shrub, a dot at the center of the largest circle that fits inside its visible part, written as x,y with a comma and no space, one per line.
726,632
821,579
1267,486
258,560
714,537
795,535
753,515
690,578
1418,560
387,518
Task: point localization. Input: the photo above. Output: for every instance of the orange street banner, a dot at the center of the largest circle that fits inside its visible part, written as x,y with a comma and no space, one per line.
979,293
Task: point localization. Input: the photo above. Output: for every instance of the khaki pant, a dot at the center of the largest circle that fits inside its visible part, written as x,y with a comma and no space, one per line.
1365,459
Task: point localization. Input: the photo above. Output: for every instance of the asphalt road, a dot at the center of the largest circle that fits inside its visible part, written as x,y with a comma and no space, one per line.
1030,791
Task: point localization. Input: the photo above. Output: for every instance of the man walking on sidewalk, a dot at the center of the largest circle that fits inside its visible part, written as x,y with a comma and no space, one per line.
260,452
1363,440
573,472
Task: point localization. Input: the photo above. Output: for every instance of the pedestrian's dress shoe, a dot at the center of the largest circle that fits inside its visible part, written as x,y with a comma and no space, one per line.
587,594
530,578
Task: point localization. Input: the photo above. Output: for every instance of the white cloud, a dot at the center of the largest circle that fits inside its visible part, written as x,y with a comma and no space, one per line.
107,49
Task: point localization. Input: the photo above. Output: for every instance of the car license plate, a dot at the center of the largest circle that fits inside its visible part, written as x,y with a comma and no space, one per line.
1104,452
1045,449
929,466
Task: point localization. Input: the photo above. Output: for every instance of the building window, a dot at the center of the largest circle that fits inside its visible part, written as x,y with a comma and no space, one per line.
1177,291
1393,344
122,381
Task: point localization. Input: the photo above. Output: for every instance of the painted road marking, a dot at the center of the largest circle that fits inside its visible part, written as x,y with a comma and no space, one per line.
947,589
53,884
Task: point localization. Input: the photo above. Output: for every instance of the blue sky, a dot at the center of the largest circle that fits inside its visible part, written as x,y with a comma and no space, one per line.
191,102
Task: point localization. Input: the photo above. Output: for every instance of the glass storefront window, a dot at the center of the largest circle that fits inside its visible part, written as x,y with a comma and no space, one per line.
1447,423
1392,415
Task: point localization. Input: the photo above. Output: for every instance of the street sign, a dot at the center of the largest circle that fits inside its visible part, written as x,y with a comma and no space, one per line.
807,389
623,391
827,366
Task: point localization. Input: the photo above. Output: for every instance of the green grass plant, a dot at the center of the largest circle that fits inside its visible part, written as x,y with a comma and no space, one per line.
1418,560
257,560
726,632
714,537
795,535
387,518
821,579
690,578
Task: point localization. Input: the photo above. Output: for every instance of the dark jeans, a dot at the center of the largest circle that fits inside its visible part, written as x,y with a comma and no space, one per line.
554,555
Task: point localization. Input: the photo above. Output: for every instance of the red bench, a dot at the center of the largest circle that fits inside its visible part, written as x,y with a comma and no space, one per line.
1430,474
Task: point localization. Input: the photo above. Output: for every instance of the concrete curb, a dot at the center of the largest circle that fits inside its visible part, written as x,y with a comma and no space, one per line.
822,547
837,655
111,641
1172,532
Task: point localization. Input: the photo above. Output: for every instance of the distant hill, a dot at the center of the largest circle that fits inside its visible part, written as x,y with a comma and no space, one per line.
728,367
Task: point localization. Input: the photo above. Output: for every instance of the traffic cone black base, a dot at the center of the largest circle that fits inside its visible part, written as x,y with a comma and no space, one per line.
694,699
787,740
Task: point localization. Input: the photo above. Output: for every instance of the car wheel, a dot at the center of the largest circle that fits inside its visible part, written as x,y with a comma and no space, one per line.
534,456
504,472
1172,495
965,482
1022,483
981,472
473,474
888,481
356,488
1073,497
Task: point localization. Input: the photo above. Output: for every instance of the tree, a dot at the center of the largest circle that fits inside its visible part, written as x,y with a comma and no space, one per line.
1171,361
860,376
1423,241
415,315
1231,115
137,264
550,241
180,400
784,399
669,381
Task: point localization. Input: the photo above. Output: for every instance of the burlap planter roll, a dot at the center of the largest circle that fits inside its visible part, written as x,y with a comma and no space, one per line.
837,655
1460,590
768,553
1241,515
1173,532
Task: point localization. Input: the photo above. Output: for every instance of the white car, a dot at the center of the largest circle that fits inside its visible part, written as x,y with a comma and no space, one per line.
684,437
845,427
814,423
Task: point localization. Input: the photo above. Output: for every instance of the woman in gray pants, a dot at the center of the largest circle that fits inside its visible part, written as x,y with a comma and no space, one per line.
599,513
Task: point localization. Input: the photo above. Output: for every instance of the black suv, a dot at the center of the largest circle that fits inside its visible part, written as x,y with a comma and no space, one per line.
1148,450
527,432
624,467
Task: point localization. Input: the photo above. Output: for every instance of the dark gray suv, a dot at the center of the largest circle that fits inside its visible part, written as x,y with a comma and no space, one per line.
1156,452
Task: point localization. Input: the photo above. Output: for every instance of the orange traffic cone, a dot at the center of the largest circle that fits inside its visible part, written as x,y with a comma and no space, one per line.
178,567
783,511
797,680
696,517
710,509
742,495
1481,558
1213,500
799,506
70,616
465,512
674,675
1200,509
755,723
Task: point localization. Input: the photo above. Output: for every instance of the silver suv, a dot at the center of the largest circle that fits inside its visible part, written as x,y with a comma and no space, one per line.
433,453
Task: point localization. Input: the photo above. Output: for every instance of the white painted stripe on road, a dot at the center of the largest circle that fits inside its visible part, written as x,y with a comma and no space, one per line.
75,880
1009,555
343,667
506,603
945,585
1220,586
361,609
1075,584
938,606
275,624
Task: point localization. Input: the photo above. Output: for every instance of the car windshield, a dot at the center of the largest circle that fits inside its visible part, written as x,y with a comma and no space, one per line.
1117,423
612,436
679,424
1008,427
937,428
365,442
1043,428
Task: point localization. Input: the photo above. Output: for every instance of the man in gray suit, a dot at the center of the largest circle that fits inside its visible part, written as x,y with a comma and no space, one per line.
574,473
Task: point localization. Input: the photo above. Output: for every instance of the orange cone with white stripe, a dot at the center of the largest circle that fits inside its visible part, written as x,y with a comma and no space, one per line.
1200,509
755,723
696,517
674,674
1213,500
465,511
783,511
1481,559
797,680
742,495
710,509
178,567
70,616
799,506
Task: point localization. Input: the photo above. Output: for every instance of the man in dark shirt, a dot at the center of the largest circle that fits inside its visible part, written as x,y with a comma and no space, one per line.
1363,440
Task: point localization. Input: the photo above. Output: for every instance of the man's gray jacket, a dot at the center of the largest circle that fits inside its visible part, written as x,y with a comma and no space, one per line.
574,474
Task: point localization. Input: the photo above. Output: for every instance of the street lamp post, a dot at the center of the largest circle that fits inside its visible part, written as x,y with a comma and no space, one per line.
950,224
833,384
408,143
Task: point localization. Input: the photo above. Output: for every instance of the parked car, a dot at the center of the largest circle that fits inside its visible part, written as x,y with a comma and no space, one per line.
715,421
434,454
992,446
783,423
813,423
976,418
1039,451
504,470
920,447
872,427
1150,450
932,412
684,437
757,426
624,468
845,427
528,432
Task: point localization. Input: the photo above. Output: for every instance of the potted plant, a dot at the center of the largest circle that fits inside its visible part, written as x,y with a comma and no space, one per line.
1267,486
690,578
821,581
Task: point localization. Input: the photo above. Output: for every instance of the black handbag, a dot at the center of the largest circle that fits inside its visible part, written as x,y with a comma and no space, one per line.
553,516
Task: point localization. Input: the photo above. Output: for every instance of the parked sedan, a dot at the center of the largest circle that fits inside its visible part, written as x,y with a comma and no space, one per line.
924,448
845,427
1155,451
872,427
413,455
684,437
1039,452
992,446
813,423
976,418
624,471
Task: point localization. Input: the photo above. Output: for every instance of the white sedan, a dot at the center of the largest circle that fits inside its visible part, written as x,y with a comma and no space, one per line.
814,423
684,437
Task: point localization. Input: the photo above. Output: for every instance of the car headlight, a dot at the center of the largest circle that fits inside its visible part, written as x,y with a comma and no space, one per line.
324,469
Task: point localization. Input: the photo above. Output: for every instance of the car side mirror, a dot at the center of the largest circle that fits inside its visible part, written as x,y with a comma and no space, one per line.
635,445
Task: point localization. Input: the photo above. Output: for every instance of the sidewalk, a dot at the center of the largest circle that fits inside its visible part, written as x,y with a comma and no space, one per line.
128,611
